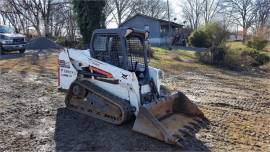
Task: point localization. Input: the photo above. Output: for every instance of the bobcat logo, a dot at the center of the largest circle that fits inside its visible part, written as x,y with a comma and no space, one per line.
124,76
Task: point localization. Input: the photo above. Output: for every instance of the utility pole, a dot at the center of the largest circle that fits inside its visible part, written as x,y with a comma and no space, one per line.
169,36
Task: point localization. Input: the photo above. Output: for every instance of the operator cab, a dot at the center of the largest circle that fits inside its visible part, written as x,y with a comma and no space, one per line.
124,47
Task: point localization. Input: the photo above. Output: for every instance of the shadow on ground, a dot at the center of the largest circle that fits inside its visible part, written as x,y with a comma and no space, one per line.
78,132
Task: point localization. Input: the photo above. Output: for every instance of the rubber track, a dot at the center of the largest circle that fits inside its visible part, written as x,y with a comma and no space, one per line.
123,105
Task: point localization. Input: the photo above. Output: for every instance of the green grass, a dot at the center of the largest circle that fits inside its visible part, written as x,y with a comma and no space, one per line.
267,48
178,61
186,54
239,47
175,61
240,56
236,45
189,55
160,51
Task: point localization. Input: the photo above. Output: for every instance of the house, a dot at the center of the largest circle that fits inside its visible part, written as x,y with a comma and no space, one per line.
158,29
236,36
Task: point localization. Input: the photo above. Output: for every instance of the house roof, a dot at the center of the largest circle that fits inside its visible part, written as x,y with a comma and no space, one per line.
160,20
121,30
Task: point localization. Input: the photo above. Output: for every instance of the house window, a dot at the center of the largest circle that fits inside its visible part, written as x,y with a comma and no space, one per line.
146,27
163,29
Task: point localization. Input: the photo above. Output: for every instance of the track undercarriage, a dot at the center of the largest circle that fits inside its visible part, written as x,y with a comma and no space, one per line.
89,99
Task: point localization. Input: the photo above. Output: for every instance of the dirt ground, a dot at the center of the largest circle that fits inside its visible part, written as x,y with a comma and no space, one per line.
33,116
238,107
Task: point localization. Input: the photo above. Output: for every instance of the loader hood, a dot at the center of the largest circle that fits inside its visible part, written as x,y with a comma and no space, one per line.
79,55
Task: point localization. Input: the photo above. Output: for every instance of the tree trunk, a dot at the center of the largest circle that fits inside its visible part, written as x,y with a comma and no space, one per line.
46,18
244,34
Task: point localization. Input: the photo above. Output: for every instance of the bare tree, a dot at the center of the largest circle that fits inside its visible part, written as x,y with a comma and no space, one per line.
2,19
262,12
35,13
192,12
14,19
60,18
122,9
27,9
108,10
243,13
45,9
152,8
70,23
210,9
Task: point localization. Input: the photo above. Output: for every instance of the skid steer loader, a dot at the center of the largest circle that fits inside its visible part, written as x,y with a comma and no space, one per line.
112,81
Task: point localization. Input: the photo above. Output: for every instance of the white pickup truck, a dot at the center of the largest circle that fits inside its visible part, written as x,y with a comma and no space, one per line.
11,41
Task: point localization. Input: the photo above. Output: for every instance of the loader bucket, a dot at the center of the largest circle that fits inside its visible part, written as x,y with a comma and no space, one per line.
170,119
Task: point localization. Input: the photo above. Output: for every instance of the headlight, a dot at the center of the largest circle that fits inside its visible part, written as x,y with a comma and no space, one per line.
7,41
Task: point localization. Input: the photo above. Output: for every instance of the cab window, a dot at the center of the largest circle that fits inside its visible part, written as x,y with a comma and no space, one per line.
107,48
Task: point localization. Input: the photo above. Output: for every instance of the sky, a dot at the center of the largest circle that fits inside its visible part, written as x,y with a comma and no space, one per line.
174,6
